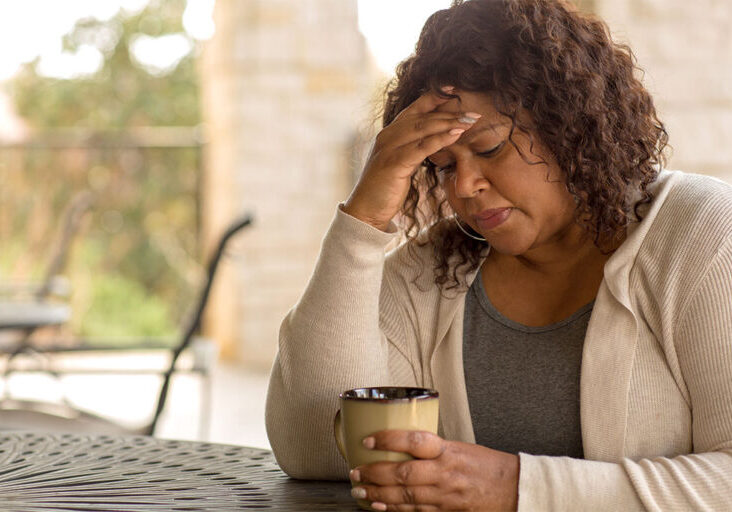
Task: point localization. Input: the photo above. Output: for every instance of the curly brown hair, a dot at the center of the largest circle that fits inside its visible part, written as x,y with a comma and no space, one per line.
580,89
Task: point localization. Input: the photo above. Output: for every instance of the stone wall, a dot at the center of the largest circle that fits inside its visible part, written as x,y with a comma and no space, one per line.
685,49
286,85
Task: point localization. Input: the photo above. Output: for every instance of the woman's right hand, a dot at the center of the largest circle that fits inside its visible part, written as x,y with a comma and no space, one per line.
417,132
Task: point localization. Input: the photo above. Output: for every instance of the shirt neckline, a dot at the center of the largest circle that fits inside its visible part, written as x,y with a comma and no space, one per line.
482,297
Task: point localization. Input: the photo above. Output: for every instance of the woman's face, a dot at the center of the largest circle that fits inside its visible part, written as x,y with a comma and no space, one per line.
516,205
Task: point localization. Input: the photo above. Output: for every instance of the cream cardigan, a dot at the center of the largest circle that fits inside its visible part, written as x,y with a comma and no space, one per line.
656,377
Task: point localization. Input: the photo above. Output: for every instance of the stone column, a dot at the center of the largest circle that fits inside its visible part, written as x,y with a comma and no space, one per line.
685,49
286,85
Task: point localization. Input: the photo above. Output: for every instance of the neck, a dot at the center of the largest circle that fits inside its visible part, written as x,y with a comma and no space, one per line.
569,251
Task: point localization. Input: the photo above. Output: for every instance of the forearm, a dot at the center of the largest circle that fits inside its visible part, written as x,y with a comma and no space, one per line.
686,482
329,342
566,484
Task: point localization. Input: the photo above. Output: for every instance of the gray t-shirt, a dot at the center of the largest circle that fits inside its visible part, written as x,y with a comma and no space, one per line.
523,382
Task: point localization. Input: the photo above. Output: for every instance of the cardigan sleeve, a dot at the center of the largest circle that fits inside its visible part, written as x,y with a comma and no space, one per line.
698,481
329,342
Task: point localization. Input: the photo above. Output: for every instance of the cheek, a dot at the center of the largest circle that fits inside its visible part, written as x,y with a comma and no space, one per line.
552,216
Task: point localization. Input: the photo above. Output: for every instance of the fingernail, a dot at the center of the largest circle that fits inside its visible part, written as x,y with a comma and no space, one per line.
454,131
377,505
355,475
359,493
370,442
448,89
466,119
474,115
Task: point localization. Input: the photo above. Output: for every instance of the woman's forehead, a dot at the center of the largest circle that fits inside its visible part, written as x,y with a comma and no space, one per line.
490,122
470,102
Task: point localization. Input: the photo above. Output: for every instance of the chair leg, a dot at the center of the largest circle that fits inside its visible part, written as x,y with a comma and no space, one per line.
204,420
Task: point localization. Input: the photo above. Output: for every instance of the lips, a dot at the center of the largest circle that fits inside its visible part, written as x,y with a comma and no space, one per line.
492,218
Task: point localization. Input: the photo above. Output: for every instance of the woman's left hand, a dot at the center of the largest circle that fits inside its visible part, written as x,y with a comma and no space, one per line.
445,475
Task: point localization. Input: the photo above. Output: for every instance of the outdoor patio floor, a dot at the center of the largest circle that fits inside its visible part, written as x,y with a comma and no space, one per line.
236,405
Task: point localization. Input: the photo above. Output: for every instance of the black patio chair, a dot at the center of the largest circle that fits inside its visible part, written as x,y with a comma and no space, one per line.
65,417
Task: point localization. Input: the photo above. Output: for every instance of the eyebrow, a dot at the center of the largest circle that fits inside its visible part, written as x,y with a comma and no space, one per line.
475,132
472,134
468,140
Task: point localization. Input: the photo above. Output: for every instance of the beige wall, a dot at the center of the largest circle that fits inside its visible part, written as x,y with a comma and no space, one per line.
286,84
685,47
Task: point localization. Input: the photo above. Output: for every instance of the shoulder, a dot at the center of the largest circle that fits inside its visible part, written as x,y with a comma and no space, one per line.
700,201
696,212
695,187
689,223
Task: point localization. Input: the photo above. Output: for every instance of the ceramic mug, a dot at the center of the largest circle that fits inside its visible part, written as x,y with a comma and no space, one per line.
365,411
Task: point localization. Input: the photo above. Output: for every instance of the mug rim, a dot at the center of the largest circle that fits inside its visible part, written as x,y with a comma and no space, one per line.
415,394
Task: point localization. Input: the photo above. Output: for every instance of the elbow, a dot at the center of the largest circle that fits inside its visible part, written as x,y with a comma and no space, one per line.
303,446
293,466
289,452
301,458
302,464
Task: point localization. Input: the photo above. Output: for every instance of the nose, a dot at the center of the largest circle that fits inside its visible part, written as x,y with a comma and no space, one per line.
468,179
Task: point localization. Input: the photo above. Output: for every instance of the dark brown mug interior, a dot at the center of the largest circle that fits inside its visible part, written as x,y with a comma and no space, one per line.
389,393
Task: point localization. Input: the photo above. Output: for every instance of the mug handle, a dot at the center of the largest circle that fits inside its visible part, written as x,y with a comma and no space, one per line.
339,434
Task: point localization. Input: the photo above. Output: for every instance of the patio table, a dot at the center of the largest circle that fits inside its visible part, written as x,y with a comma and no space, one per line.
54,472
32,315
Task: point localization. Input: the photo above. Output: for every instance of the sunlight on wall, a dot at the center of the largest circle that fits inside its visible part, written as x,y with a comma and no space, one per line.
392,27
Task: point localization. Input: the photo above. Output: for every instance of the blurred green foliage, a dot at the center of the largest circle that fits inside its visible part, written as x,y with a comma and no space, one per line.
118,303
135,265
123,93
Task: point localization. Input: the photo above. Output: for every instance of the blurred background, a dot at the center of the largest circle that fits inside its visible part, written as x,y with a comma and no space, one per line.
168,119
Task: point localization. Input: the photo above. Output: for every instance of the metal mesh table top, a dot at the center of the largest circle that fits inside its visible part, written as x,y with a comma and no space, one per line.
67,472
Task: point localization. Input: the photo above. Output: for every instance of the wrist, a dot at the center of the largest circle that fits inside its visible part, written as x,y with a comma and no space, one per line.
507,483
350,209
515,472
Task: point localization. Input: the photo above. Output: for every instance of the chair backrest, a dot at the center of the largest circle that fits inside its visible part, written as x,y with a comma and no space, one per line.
195,320
75,211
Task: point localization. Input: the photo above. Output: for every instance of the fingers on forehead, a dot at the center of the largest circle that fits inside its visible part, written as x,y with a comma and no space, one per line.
429,101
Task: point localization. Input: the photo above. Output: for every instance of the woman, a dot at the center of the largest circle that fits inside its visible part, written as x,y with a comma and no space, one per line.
571,302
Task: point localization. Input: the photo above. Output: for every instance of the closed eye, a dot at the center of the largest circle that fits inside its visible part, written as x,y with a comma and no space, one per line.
495,149
444,170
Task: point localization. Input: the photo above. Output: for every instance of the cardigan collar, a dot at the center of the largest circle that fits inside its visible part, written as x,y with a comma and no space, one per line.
611,341
617,268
